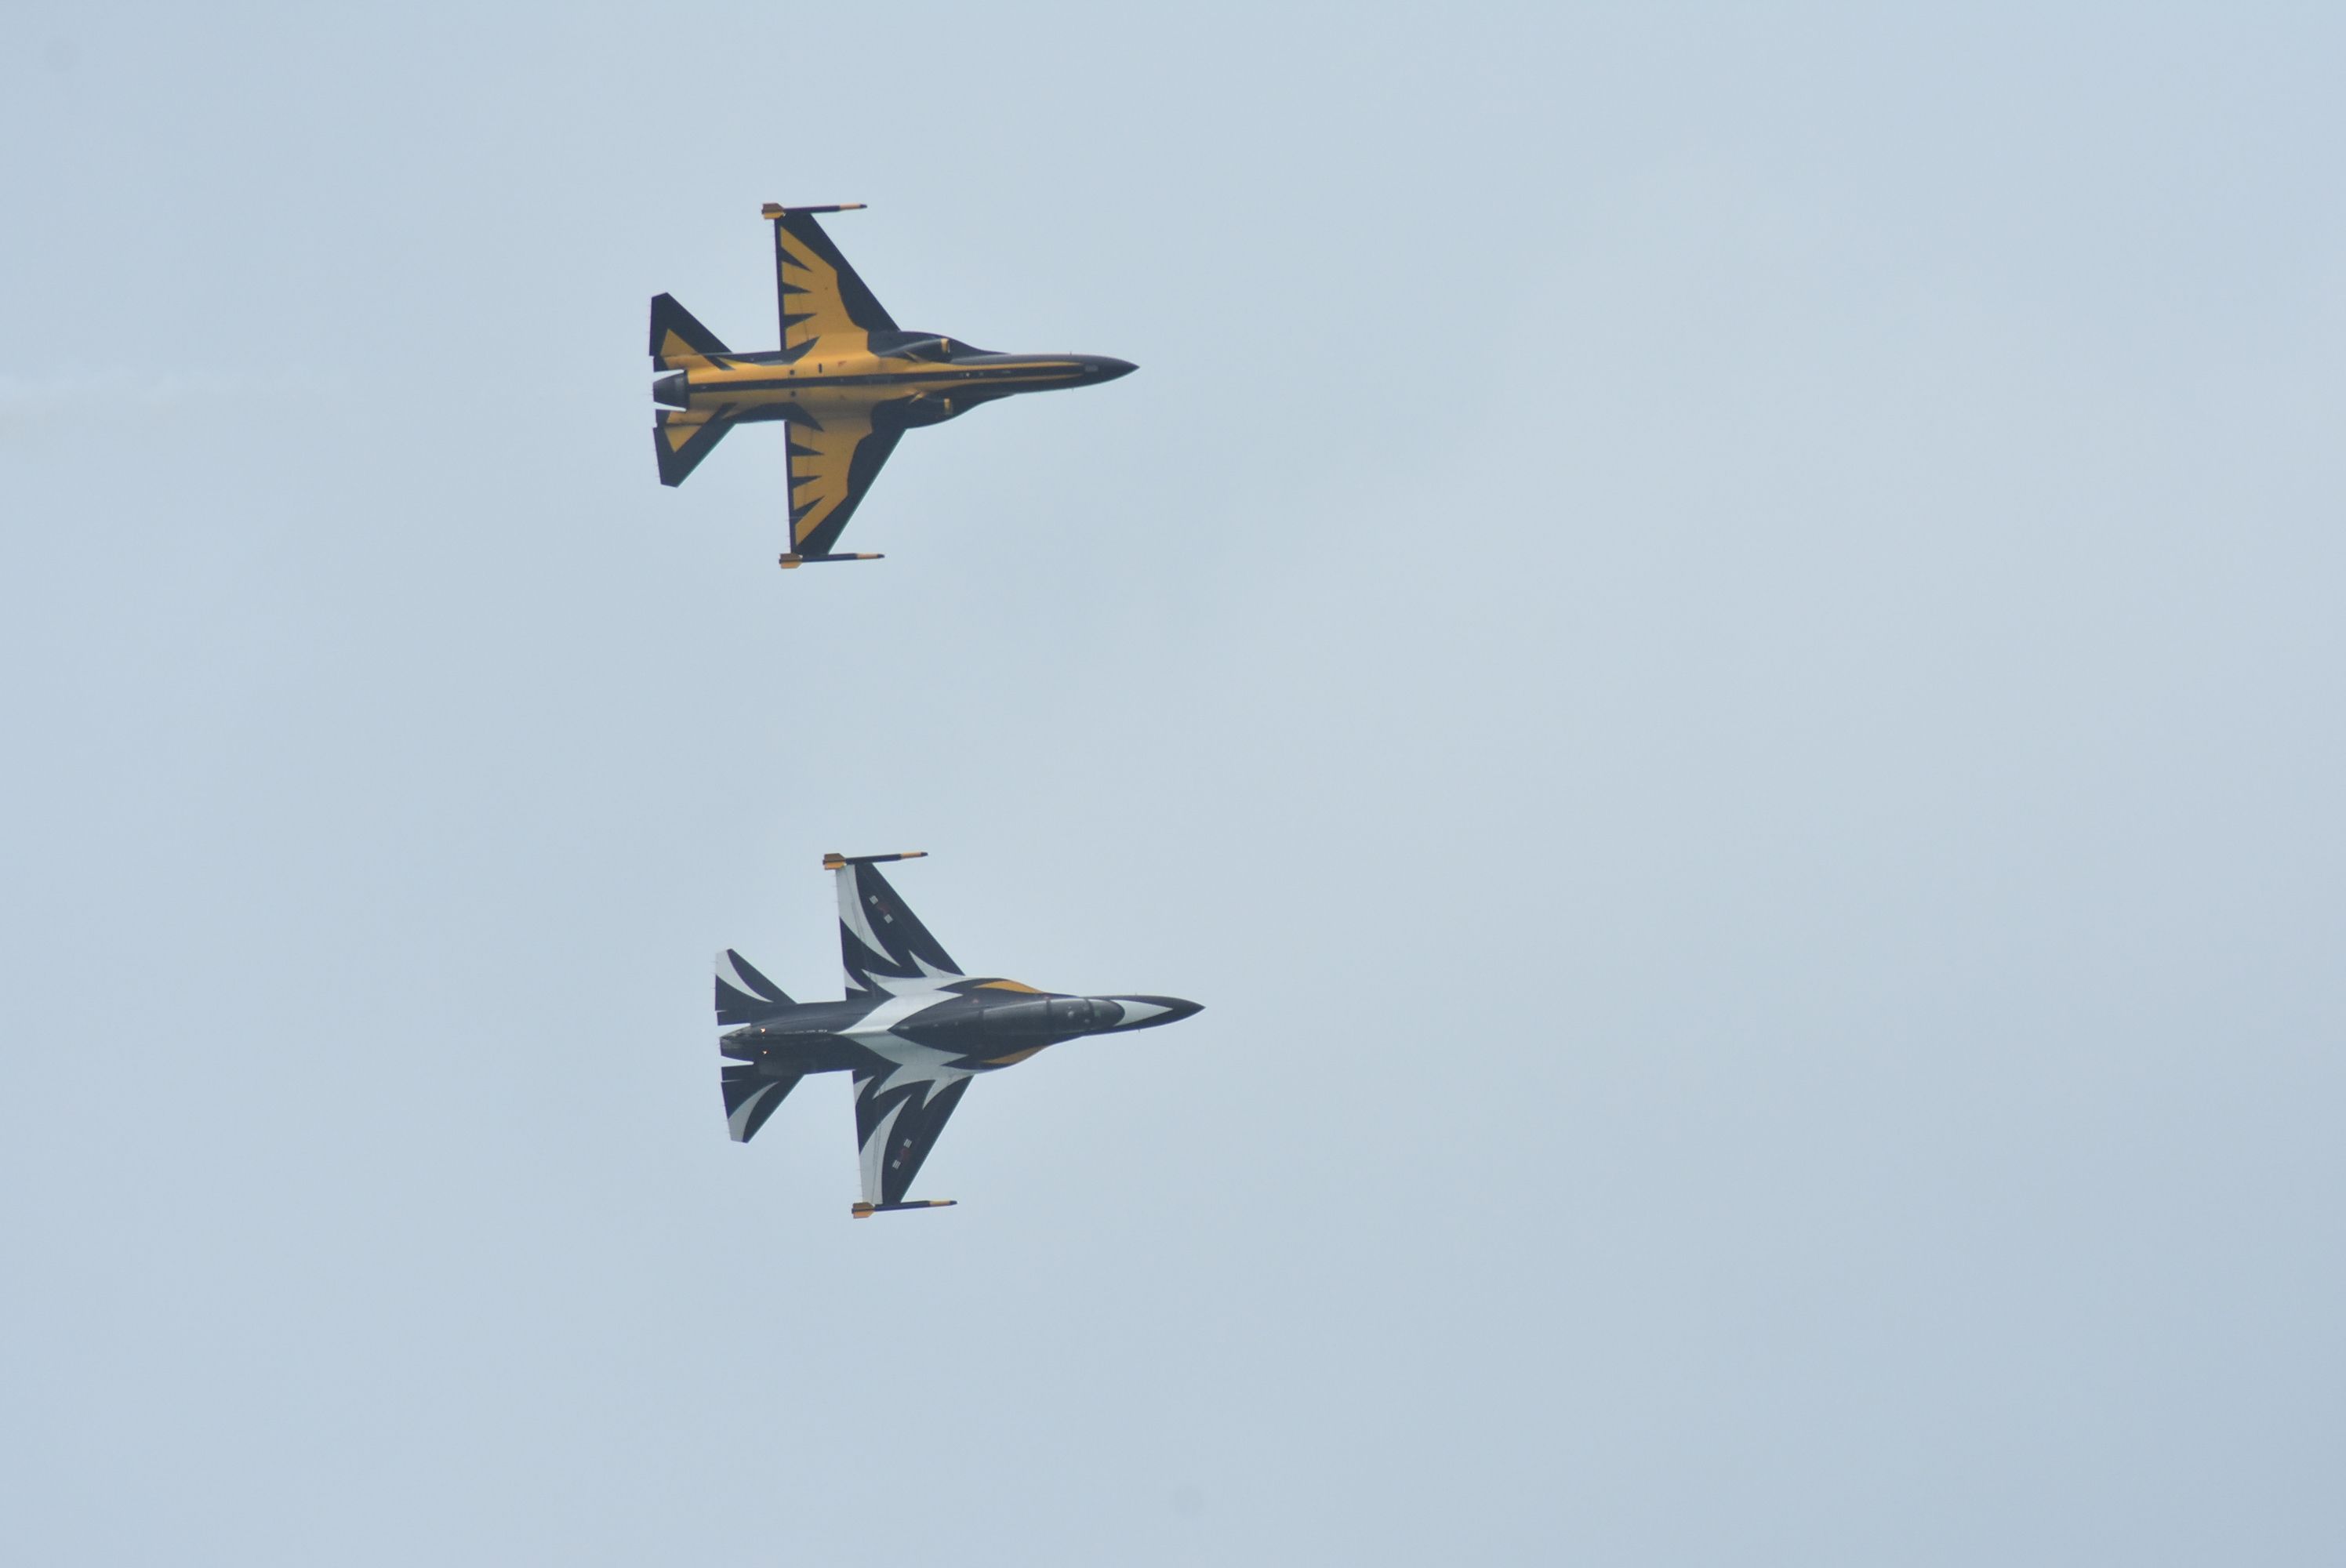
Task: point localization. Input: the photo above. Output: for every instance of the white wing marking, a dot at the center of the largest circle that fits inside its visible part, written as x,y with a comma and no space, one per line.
875,1147
916,1063
742,1112
733,976
885,1014
852,916
931,978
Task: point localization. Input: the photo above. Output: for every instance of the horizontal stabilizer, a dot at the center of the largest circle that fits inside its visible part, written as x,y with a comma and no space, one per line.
682,438
751,1094
678,338
744,995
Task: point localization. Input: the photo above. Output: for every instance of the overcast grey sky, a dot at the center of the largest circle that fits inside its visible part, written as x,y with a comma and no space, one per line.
1712,633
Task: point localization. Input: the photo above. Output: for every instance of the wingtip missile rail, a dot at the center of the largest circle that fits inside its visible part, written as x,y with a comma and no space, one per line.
836,862
790,562
866,1210
777,211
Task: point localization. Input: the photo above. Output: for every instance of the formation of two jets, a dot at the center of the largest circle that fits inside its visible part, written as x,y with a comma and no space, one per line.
914,1029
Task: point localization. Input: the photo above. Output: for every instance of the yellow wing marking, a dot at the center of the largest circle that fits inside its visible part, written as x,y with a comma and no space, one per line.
679,355
818,465
810,293
680,426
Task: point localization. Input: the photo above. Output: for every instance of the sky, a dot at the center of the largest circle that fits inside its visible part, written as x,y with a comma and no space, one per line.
1710,633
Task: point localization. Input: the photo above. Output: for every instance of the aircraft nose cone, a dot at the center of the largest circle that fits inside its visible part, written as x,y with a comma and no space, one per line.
1148,1012
1104,369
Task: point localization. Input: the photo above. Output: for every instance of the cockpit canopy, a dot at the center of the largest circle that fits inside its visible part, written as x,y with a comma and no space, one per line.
934,347
1055,1015
1084,1013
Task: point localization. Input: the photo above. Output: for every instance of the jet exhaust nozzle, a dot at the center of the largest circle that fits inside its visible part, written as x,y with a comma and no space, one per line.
669,392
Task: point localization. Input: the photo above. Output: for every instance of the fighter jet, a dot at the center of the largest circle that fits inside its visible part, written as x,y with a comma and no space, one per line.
914,1029
847,378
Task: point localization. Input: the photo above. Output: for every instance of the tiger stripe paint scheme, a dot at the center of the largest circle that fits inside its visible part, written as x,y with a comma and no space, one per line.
847,381
912,1029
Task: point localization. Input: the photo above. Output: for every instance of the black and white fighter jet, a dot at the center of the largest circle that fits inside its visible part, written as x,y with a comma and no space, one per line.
914,1029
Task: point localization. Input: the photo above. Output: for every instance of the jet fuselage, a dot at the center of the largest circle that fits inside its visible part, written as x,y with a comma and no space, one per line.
928,378
994,1026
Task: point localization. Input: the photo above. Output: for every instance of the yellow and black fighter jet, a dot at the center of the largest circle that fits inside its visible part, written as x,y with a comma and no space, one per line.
847,381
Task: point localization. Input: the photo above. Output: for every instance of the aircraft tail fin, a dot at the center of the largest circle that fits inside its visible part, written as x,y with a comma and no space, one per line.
752,1095
744,995
678,340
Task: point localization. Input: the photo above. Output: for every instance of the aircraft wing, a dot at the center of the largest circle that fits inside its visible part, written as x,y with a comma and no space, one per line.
882,943
831,466
899,1113
820,294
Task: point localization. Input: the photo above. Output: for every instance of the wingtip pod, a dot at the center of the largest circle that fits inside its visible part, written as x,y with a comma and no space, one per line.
834,860
776,210
790,561
866,1210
